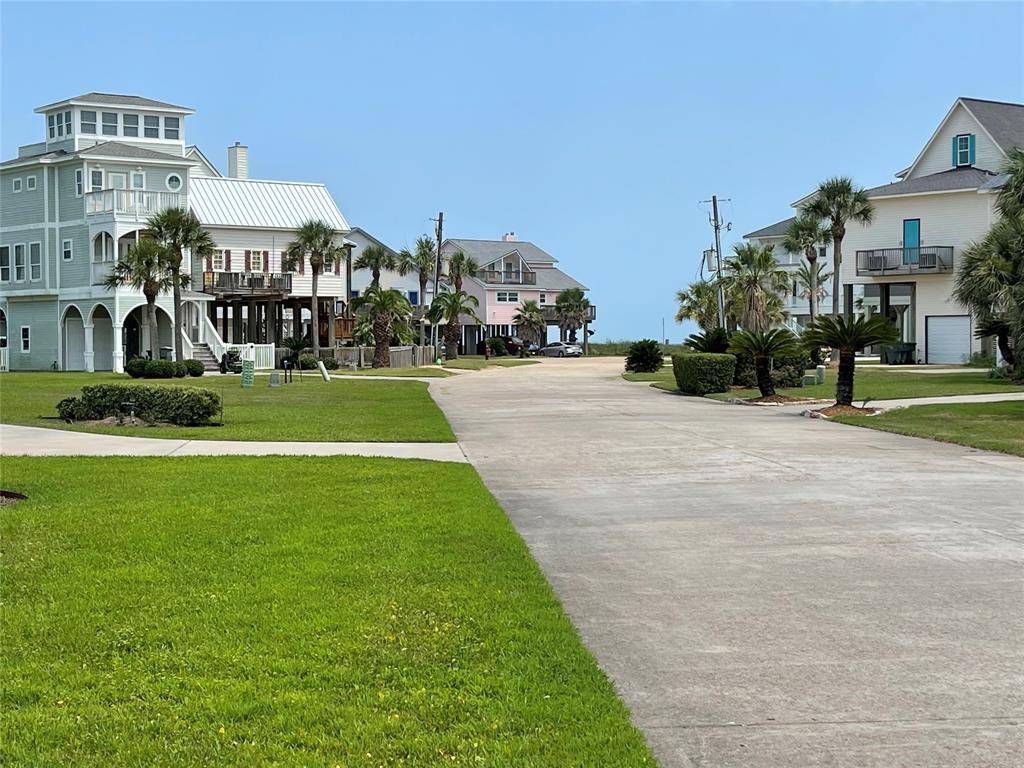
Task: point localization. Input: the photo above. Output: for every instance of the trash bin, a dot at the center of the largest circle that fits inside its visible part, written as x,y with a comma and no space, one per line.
166,353
903,353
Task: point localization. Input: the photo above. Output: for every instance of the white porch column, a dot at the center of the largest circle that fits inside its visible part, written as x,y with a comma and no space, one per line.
118,348
90,365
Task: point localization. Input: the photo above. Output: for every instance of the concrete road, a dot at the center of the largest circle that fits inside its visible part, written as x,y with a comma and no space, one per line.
766,589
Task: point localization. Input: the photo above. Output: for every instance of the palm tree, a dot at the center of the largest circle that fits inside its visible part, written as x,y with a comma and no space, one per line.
836,202
178,230
1010,200
805,235
422,262
812,284
699,303
376,258
147,267
314,240
763,346
530,321
461,266
448,308
572,308
386,307
755,284
849,335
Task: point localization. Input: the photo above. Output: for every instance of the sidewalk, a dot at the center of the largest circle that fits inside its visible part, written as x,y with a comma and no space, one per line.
994,397
36,441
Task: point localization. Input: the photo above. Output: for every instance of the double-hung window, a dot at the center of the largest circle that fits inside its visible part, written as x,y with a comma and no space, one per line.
51,124
5,263
543,299
963,150
26,338
30,182
151,126
172,127
35,262
130,125
217,262
138,180
78,182
19,261
16,185
110,123
67,123
88,121
67,250
95,181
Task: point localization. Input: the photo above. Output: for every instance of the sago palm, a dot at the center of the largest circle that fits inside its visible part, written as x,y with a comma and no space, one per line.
531,323
422,262
146,267
447,309
763,346
848,335
805,235
314,242
836,202
699,303
755,283
178,230
386,307
572,307
377,259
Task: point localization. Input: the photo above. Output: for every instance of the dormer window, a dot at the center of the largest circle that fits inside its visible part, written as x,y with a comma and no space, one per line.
963,150
88,121
171,128
110,123
51,123
67,123
151,127
131,125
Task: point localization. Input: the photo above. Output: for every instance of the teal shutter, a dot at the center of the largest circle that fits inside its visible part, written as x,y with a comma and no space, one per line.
971,150
954,151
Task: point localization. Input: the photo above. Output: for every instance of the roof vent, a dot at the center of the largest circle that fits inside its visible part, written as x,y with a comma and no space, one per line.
238,161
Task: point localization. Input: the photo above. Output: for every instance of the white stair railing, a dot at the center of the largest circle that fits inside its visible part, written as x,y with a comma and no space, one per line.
210,337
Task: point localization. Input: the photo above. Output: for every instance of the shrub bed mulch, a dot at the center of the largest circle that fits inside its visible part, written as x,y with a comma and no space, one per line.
841,410
776,400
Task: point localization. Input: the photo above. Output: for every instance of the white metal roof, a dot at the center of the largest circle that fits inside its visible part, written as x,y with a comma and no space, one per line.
226,202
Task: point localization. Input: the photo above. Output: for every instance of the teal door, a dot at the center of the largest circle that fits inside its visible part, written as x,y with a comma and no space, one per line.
911,241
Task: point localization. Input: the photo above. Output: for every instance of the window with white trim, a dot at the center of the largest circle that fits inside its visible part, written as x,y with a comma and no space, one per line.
95,181
30,182
151,126
87,121
51,123
173,182
67,123
172,127
19,261
218,261
35,262
16,185
543,299
138,180
5,263
26,338
130,125
508,297
67,249
78,182
963,149
110,123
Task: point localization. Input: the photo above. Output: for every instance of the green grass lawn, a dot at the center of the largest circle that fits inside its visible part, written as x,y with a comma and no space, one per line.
422,372
991,426
286,611
478,362
310,410
665,374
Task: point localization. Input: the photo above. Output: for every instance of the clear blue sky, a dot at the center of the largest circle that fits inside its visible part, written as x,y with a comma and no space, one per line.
593,130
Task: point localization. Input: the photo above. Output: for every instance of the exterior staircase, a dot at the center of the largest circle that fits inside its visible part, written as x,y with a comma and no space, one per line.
202,353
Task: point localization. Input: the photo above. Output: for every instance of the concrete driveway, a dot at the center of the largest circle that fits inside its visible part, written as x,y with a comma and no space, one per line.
765,589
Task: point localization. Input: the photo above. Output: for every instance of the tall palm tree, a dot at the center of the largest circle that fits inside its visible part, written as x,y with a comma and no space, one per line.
755,283
531,323
812,284
377,259
849,335
836,202
1010,200
178,230
763,346
421,262
448,308
314,240
147,267
699,303
461,266
805,235
386,307
572,309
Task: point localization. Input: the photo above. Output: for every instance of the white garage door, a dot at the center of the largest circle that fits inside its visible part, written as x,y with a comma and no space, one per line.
948,339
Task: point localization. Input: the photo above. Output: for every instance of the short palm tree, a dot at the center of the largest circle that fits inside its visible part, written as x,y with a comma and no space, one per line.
422,261
448,308
755,283
146,267
377,259
314,241
699,303
387,308
178,230
763,346
531,323
805,235
849,335
461,266
836,202
572,308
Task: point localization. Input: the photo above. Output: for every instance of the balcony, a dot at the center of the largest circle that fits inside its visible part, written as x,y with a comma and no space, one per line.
551,316
930,259
507,277
100,270
130,203
240,285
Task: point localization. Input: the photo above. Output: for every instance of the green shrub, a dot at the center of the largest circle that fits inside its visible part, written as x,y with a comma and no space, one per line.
180,369
716,340
158,369
136,367
330,363
184,406
699,373
194,368
307,362
497,346
787,370
644,356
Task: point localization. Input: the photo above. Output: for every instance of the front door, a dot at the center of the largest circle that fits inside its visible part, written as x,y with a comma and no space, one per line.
911,241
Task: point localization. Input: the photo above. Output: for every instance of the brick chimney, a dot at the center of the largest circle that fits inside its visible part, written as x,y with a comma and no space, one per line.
238,161
509,237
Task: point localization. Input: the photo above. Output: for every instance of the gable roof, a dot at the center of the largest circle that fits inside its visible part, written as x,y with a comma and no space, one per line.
226,202
363,233
778,229
1003,120
944,181
199,157
116,99
129,151
486,251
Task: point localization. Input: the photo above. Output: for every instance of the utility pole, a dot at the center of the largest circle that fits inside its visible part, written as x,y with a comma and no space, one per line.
716,222
439,230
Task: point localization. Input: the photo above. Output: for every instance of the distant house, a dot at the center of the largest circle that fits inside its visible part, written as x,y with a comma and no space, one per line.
408,285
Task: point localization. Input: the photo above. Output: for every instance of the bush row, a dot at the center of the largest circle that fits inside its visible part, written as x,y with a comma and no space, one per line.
185,406
308,362
698,373
141,368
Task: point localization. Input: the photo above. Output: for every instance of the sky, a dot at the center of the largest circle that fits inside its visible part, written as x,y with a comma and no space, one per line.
593,130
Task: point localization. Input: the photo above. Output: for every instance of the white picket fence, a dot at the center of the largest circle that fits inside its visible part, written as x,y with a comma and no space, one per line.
262,355
4,360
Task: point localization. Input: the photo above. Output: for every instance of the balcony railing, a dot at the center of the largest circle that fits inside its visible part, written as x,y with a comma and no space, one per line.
905,260
255,283
511,277
136,203
551,315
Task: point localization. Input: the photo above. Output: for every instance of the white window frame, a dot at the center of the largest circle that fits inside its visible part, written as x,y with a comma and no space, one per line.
142,180
167,181
82,122
104,125
963,153
3,268
176,129
37,263
19,250
67,249
542,299
67,123
79,182
51,124
511,297
146,127
16,185
126,129
30,183
92,186
25,339
217,261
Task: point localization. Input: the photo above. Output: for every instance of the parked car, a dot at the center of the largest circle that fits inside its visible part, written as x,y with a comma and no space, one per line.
515,345
561,349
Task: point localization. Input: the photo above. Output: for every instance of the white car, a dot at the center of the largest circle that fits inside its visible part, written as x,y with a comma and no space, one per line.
561,349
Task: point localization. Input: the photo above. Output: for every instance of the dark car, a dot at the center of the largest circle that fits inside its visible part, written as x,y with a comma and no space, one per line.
515,345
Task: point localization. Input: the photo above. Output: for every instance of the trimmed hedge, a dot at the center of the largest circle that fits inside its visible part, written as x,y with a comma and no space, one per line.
184,406
698,373
136,367
194,368
308,362
787,370
143,368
